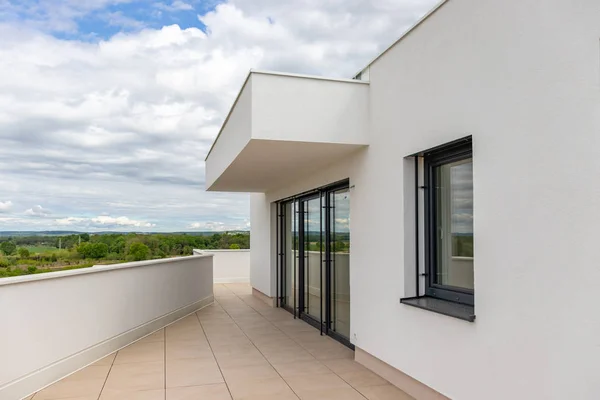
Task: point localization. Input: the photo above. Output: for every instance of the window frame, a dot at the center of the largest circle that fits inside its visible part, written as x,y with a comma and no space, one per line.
442,155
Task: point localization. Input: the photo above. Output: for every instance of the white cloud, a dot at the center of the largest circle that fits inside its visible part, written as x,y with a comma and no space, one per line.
103,221
120,221
37,211
122,125
176,5
220,226
69,221
5,206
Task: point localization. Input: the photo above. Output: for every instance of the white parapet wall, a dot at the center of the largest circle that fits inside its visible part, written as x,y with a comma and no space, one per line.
56,323
229,266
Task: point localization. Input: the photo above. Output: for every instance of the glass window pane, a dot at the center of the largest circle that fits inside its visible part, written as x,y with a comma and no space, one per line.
454,224
340,261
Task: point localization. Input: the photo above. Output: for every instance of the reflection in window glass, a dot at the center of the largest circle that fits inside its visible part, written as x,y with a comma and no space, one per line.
454,224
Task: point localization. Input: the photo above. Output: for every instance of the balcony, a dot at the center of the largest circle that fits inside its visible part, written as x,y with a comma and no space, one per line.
236,347
284,126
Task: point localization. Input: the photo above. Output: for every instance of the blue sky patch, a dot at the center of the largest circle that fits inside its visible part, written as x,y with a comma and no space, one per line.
83,22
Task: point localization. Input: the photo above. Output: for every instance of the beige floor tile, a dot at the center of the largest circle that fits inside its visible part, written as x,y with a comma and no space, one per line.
331,354
274,388
184,349
269,337
249,373
331,394
302,383
231,360
220,348
141,352
305,336
344,365
83,388
135,376
73,398
108,360
158,394
192,372
89,373
188,319
217,391
289,395
185,334
158,336
282,357
363,378
241,337
384,392
301,368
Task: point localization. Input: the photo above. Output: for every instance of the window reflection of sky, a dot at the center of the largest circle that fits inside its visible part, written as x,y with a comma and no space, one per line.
461,176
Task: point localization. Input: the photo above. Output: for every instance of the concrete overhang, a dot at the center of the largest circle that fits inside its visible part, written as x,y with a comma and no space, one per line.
282,127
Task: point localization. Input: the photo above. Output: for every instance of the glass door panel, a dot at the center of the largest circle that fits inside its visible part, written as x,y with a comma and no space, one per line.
290,253
339,237
312,236
315,260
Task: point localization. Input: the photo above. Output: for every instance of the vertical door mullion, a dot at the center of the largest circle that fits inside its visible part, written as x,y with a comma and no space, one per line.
328,262
321,294
278,251
296,247
333,259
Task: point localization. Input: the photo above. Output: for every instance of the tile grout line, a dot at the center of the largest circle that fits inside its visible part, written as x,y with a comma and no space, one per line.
107,375
285,333
213,353
253,344
291,338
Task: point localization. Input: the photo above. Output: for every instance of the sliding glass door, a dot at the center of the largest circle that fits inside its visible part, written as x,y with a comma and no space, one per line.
339,237
312,266
314,259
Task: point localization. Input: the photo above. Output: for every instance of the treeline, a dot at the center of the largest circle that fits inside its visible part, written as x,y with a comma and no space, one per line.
35,254
140,246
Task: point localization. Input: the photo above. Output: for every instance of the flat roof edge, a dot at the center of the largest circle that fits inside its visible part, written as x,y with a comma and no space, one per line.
228,115
275,73
405,34
317,77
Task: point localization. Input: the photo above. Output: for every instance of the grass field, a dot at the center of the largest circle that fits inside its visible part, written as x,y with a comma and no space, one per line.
40,249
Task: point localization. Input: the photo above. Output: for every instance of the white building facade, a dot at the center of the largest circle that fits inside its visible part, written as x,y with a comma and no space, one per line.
439,212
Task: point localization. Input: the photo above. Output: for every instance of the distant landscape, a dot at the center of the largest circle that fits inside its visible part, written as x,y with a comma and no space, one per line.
24,253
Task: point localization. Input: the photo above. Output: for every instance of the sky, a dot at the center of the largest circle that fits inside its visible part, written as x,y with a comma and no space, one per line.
108,107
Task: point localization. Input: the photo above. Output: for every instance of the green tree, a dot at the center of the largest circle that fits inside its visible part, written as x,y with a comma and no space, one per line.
23,252
234,246
93,250
138,251
8,248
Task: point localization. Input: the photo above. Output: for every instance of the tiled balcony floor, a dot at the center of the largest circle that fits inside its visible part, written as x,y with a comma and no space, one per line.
237,348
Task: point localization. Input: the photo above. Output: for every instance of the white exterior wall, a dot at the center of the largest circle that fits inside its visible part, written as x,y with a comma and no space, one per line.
338,109
234,136
262,245
523,78
55,323
229,266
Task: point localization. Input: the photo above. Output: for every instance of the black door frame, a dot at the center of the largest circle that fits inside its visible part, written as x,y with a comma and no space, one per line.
297,209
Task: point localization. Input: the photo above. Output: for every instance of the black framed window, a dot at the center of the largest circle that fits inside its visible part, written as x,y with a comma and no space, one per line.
449,256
